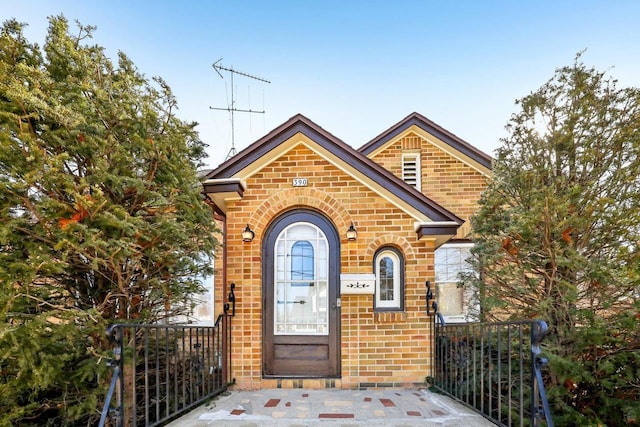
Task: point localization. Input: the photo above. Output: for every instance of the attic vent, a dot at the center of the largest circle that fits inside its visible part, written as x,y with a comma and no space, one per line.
411,169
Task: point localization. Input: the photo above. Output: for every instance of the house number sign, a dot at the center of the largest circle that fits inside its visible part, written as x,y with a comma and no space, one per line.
300,182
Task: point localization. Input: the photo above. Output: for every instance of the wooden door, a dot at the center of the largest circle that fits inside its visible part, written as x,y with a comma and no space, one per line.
301,256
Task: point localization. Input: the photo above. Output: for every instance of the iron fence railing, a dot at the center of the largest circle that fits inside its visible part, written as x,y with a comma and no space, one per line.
162,371
494,368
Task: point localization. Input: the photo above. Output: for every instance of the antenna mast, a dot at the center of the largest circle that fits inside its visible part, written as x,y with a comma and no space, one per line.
231,108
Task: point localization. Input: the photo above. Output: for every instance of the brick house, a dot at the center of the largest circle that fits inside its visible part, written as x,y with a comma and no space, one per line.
330,279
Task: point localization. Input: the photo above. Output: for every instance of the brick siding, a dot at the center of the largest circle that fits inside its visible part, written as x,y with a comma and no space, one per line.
445,179
378,349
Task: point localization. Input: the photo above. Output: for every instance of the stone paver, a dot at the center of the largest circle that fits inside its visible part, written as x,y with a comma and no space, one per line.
300,408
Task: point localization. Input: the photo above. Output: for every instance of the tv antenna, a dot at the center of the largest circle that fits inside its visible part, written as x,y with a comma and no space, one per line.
231,108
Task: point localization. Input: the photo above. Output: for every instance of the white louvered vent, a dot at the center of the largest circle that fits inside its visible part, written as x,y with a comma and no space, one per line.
411,169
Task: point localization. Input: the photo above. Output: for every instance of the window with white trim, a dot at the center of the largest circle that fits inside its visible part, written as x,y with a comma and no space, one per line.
411,169
389,271
453,300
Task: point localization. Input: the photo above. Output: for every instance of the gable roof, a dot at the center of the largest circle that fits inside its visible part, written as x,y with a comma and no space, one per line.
230,177
472,154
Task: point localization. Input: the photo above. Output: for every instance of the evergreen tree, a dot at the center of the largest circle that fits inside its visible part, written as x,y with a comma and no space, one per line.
101,217
558,236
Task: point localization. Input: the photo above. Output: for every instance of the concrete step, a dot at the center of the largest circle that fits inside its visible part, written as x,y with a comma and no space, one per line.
300,407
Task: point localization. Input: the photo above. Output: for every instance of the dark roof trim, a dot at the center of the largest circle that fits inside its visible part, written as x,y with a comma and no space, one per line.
338,148
428,229
223,186
432,128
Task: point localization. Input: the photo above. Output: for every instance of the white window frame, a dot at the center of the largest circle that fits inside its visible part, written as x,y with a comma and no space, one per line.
396,302
413,178
467,294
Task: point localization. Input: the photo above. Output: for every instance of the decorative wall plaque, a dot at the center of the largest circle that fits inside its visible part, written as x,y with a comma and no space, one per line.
362,284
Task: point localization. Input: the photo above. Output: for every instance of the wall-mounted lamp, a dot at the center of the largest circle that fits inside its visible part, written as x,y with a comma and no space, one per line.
248,234
352,234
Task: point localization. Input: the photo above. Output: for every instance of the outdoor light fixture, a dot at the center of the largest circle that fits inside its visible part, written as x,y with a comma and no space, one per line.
352,233
248,234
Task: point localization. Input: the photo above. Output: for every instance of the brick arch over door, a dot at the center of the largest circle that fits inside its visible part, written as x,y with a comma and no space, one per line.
301,197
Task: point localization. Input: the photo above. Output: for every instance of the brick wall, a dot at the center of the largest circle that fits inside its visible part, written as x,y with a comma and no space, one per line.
377,348
445,179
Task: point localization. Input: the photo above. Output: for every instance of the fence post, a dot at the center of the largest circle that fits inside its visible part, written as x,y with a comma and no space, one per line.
539,330
226,332
114,334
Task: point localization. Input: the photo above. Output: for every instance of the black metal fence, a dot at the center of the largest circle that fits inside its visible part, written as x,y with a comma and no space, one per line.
162,371
494,368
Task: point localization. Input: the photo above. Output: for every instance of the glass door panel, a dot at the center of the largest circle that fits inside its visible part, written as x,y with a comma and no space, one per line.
301,266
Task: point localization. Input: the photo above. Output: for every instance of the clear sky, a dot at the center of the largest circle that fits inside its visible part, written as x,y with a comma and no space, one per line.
354,67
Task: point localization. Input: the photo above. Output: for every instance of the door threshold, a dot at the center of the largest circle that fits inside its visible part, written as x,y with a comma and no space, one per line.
306,382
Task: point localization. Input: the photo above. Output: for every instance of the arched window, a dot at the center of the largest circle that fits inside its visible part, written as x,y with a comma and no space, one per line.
389,270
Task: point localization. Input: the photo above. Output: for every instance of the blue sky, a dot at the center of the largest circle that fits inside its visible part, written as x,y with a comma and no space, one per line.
354,67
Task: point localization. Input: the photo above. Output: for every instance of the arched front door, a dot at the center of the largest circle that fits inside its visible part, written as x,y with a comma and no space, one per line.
301,264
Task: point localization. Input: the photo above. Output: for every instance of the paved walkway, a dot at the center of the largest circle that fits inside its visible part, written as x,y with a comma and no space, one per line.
301,407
